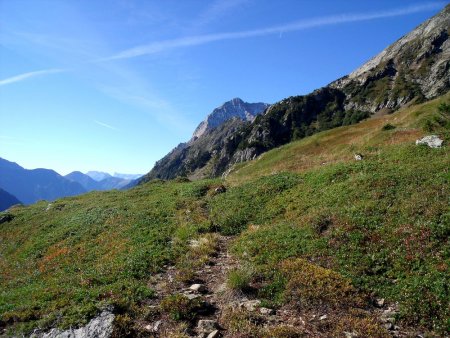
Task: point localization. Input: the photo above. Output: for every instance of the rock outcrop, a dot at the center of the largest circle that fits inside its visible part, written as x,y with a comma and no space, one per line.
235,108
414,67
99,327
432,141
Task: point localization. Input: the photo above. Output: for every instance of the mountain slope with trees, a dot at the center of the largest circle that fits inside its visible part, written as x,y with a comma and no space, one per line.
415,68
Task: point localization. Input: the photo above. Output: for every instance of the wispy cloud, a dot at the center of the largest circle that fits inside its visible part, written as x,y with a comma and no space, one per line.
189,41
25,76
105,125
216,10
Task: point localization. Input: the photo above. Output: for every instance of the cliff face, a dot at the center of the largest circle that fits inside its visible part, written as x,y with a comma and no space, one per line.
236,108
206,156
416,67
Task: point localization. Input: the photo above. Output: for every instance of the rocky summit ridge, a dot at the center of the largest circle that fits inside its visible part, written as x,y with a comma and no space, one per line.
235,108
415,66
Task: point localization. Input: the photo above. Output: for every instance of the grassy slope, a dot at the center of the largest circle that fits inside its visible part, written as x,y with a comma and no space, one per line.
60,266
340,144
377,227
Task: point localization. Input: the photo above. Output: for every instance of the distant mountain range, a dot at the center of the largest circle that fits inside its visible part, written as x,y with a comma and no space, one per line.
97,180
30,186
413,69
20,185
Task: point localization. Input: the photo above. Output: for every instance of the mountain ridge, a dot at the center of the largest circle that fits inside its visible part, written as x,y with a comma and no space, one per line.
104,181
414,68
31,185
235,108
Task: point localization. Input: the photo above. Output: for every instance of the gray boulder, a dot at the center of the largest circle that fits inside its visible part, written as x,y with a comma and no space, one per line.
432,141
99,327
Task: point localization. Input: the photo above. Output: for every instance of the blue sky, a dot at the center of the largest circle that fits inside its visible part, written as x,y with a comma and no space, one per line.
114,85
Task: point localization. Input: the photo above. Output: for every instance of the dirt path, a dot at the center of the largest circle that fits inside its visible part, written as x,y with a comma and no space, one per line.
211,282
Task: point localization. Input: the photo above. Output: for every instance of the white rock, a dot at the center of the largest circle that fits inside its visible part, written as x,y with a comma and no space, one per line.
197,288
432,141
214,334
359,157
191,296
389,326
156,325
323,317
99,327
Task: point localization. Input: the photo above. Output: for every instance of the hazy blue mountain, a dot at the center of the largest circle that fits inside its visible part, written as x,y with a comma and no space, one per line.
7,200
113,183
127,176
108,183
98,175
30,186
86,181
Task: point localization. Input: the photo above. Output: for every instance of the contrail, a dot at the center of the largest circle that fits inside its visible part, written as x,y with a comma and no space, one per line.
160,46
25,76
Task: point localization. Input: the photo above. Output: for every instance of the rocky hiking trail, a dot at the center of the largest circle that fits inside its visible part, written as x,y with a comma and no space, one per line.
208,286
209,289
206,307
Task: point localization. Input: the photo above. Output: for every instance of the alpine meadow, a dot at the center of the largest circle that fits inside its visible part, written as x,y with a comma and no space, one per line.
320,215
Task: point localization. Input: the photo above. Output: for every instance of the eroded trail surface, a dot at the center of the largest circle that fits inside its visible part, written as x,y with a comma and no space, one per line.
207,288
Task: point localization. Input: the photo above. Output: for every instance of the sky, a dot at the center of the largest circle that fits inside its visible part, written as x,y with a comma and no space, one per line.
114,85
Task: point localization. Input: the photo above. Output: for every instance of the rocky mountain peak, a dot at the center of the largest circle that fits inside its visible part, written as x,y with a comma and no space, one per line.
235,108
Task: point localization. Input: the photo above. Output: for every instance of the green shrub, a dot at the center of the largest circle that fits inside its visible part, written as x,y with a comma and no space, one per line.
309,285
444,108
241,323
180,307
388,126
424,299
239,279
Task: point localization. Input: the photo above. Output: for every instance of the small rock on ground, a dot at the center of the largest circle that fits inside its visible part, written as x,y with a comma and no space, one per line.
197,287
206,325
432,141
266,311
250,305
214,334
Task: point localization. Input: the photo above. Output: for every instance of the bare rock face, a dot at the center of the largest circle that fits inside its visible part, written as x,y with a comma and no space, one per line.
99,327
236,108
246,154
417,66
